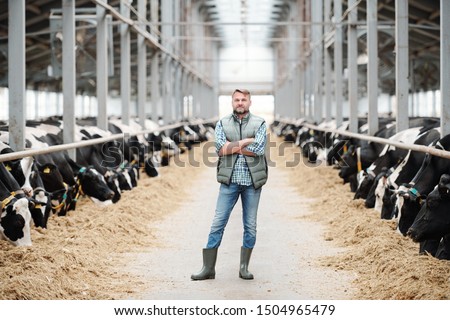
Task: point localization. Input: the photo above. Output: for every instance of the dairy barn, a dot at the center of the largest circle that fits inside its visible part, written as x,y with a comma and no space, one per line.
108,125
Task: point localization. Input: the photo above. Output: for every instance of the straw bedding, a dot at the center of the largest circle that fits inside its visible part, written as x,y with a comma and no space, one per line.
386,264
78,256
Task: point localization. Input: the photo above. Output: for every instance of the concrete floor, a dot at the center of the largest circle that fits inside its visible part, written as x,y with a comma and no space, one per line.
284,260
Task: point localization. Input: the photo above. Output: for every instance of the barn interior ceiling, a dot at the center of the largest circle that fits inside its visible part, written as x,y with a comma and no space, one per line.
248,22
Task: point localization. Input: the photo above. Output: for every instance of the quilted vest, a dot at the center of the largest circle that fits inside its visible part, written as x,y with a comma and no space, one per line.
236,130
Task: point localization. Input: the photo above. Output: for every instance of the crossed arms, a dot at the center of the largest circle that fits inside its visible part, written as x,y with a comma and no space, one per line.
237,147
249,147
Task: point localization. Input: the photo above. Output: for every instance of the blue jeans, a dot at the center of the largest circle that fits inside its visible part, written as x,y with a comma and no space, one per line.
228,196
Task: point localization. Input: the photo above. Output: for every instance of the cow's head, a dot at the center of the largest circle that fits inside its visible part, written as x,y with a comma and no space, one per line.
42,200
433,220
348,163
388,208
15,222
41,207
373,198
149,167
130,171
61,195
112,181
408,204
93,184
365,182
338,149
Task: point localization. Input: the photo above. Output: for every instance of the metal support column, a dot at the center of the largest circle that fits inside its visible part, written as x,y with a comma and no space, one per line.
372,65
308,90
16,79
142,67
166,90
69,73
184,94
156,96
352,66
327,62
401,63
338,62
125,64
167,10
445,68
102,69
317,32
178,93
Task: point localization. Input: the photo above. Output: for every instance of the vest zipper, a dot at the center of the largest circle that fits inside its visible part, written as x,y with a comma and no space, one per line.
245,158
240,128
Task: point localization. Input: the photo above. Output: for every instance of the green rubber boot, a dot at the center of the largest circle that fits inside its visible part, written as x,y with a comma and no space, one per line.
209,263
245,260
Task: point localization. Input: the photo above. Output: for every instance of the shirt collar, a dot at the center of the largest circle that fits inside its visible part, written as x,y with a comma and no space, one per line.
244,119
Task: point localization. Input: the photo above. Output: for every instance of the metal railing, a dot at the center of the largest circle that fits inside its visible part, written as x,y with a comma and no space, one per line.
414,147
85,143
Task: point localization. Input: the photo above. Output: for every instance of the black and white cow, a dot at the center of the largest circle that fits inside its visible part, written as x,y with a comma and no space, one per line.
433,219
361,157
137,153
21,170
41,211
388,157
411,196
88,182
15,216
402,173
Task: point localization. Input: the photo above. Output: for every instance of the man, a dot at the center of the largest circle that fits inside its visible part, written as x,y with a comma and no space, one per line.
242,171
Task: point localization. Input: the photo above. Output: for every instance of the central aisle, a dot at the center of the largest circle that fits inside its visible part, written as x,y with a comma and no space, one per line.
284,260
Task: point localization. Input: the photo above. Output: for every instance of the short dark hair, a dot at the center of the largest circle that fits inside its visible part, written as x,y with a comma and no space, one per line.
243,91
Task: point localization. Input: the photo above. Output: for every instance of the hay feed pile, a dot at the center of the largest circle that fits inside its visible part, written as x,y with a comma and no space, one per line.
79,255
387,264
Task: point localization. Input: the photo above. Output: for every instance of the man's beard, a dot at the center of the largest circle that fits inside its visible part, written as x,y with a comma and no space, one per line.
240,111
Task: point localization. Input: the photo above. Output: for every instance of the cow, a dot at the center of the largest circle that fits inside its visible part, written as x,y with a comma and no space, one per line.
406,164
135,147
361,156
15,216
75,183
41,211
21,170
63,196
433,220
432,223
410,196
388,157
401,174
106,159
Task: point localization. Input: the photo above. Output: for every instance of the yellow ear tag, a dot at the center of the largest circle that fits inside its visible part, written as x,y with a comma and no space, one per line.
46,170
8,167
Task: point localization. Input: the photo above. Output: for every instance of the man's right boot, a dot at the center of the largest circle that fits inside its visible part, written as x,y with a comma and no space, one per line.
209,264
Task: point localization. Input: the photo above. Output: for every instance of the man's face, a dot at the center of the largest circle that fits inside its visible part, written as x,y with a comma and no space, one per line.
241,103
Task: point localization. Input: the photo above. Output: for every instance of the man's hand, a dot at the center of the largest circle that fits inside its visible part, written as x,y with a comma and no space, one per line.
237,147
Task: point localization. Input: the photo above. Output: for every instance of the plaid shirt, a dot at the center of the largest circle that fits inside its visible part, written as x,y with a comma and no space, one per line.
241,173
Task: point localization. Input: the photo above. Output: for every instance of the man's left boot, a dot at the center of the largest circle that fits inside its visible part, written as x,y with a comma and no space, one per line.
245,260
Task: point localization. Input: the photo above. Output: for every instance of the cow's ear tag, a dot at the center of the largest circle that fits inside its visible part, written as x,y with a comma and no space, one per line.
46,170
8,167
83,169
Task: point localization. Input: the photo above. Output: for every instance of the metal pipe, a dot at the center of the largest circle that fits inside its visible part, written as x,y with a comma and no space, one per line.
85,143
401,145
